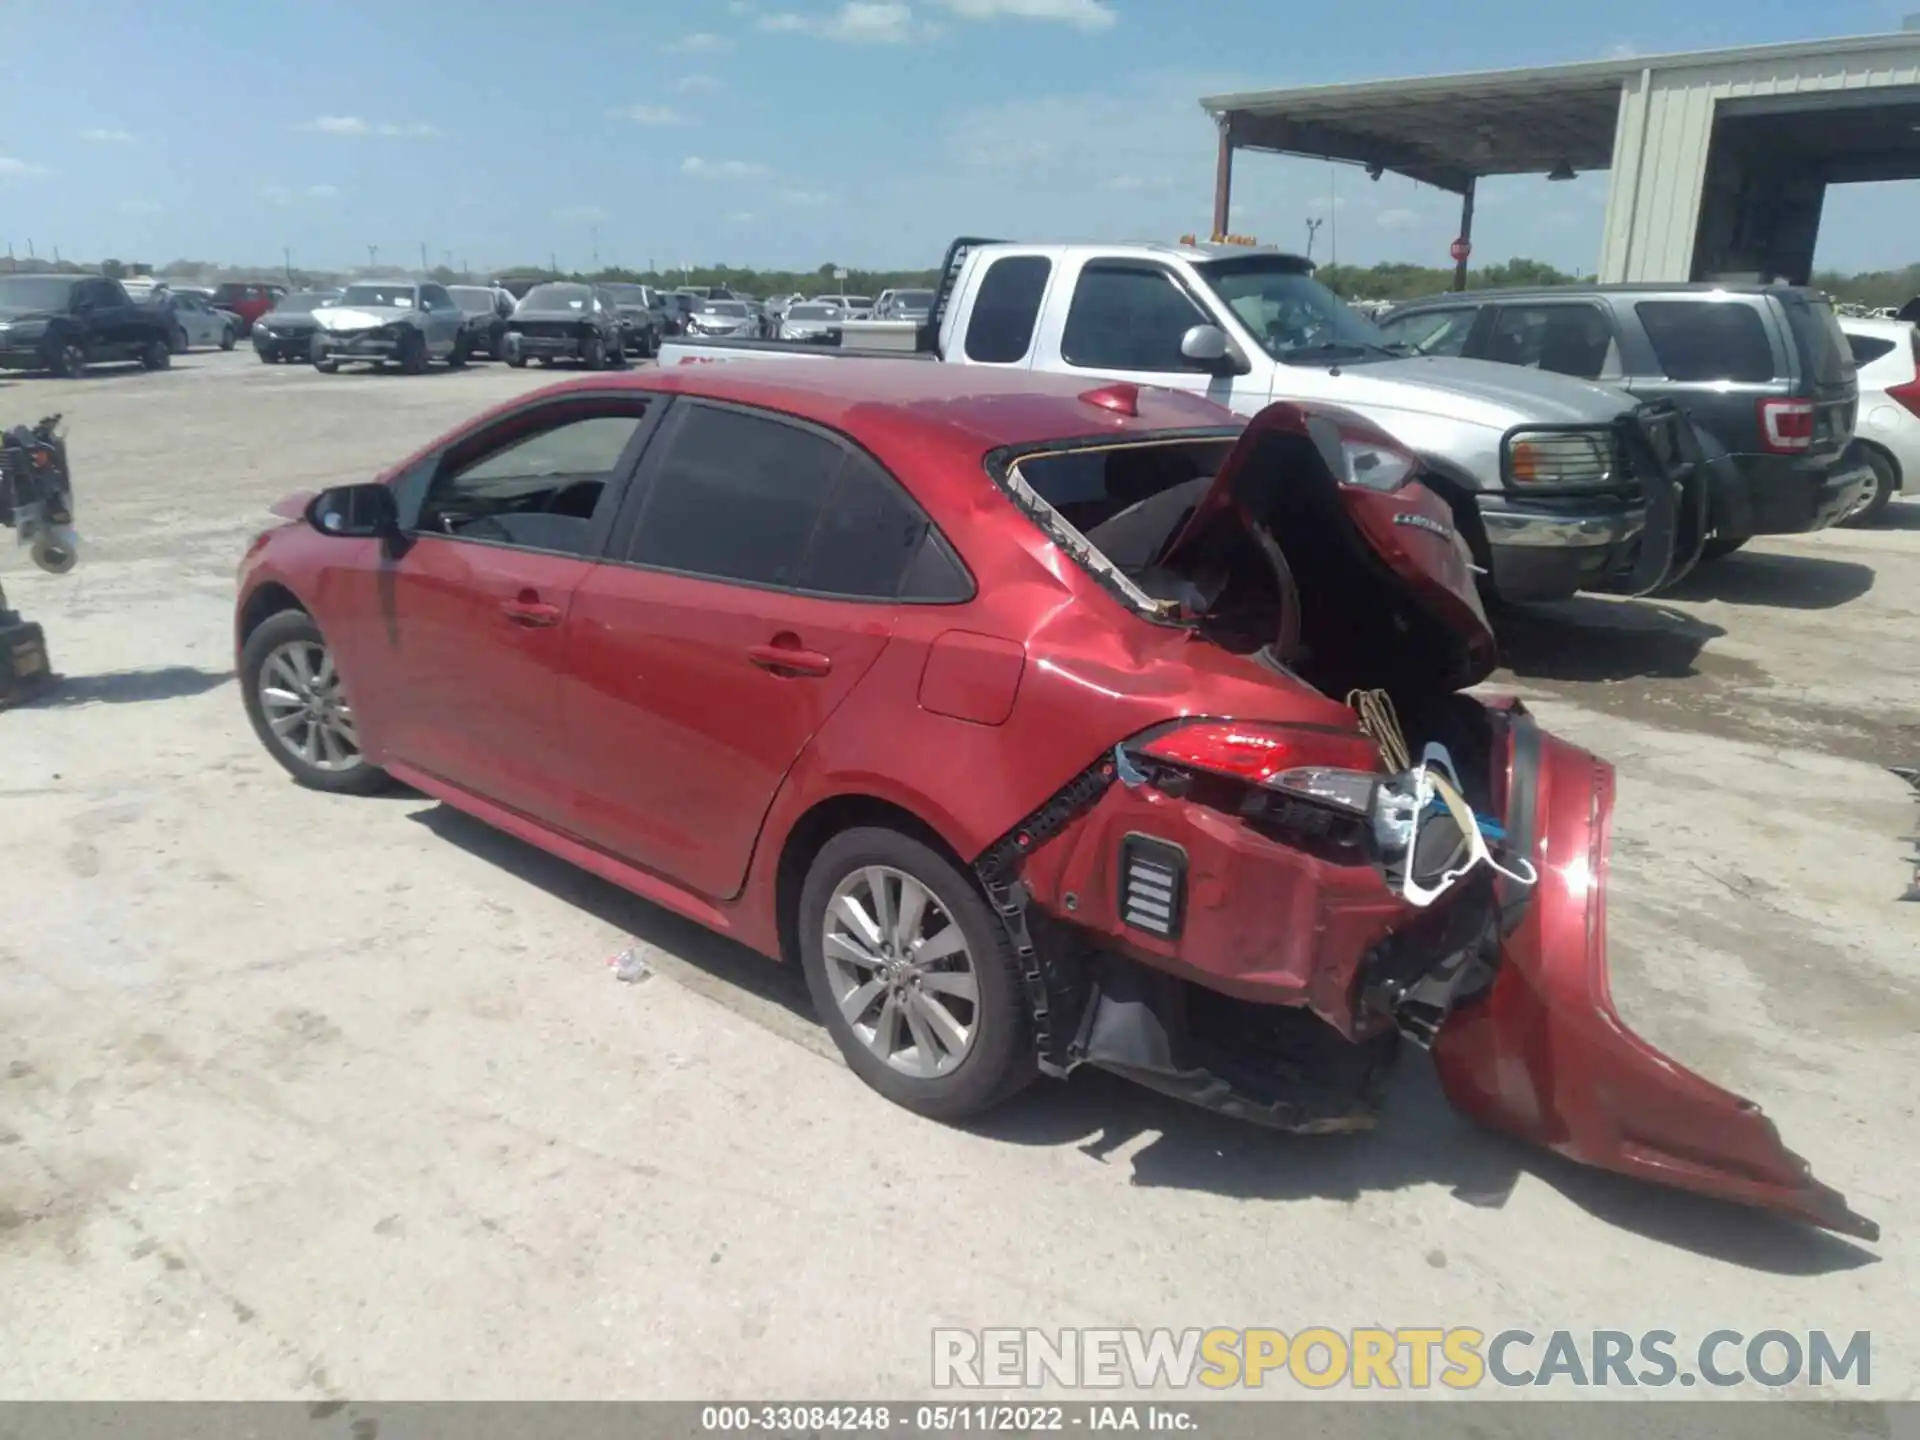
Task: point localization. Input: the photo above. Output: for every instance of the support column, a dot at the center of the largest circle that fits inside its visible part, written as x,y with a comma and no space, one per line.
1466,234
1223,177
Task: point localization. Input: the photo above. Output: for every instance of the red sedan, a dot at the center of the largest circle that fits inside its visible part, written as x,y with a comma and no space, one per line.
1041,726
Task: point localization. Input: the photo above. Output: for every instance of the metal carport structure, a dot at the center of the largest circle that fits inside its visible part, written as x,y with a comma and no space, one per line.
1719,159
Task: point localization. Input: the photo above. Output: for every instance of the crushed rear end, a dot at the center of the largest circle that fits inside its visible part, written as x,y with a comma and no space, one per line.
1252,911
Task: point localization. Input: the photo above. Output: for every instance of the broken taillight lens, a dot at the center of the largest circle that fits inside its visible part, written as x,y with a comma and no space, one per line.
1276,756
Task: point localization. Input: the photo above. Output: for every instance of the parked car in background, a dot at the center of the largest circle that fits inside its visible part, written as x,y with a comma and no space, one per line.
856,307
678,309
914,305
731,318
63,324
642,318
814,322
286,332
565,321
1077,777
197,322
486,308
1887,434
1556,485
248,299
411,324
1762,371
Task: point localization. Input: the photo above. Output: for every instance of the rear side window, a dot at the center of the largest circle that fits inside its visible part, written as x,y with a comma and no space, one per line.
1567,339
1867,348
1000,329
1822,344
868,534
737,498
1707,340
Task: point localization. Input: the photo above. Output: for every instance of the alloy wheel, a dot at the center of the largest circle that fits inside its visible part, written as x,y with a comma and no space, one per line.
901,972
306,708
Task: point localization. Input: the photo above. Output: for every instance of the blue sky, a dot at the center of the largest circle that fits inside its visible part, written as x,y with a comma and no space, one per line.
776,132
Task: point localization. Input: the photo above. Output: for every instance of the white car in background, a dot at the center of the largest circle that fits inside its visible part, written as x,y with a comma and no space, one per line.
1887,355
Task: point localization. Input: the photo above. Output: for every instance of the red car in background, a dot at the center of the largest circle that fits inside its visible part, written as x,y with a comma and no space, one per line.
1042,726
247,299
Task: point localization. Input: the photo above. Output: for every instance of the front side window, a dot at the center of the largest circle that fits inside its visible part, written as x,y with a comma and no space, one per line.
1006,309
1432,332
436,296
1568,339
1128,317
541,484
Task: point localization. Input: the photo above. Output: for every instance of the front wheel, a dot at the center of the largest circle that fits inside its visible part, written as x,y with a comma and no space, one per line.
413,353
157,356
912,975
457,360
516,360
1886,479
299,708
1720,546
178,341
593,353
68,360
226,337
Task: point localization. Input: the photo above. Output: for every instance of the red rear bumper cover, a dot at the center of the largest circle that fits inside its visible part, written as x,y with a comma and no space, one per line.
1545,1055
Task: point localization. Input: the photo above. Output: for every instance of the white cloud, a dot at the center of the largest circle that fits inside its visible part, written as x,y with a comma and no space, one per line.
357,127
1322,204
288,194
11,166
648,115
1622,52
579,215
323,192
701,42
696,84
108,137
1397,219
809,198
1086,15
721,169
741,217
857,22
1136,183
142,207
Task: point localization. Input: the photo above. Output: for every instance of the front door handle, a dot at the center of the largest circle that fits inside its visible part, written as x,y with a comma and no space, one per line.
790,660
530,612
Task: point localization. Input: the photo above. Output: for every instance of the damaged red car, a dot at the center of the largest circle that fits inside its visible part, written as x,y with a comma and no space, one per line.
1041,726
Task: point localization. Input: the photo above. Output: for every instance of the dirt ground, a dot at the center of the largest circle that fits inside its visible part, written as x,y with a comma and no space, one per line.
312,1097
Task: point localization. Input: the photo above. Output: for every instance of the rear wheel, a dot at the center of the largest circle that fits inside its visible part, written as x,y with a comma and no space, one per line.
68,360
413,353
458,359
1886,479
299,708
158,355
1720,546
178,341
226,337
516,360
593,353
912,975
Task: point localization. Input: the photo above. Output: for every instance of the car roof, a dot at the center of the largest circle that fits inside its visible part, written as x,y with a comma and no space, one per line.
1577,292
984,405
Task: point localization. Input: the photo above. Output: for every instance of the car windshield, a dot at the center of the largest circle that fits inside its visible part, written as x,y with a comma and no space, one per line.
34,292
304,303
859,302
557,297
812,310
397,297
914,300
1295,318
724,307
471,297
627,294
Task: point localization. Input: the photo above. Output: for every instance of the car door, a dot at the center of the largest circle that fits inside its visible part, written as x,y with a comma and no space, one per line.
462,641
1126,320
441,317
748,590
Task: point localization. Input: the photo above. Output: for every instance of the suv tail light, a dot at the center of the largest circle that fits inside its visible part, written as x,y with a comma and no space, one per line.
1906,395
1786,426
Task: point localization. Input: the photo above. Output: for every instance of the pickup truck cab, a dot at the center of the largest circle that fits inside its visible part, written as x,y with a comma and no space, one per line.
1557,484
63,324
1762,371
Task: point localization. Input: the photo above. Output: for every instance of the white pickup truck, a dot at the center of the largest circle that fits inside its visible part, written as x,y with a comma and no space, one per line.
1557,484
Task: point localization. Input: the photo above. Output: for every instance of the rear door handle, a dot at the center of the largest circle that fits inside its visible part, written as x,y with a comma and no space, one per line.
532,613
790,660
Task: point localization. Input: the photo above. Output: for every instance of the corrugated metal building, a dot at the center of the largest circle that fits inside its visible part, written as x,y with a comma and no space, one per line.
1720,159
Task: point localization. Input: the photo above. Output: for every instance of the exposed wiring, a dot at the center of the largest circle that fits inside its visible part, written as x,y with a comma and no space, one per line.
1381,724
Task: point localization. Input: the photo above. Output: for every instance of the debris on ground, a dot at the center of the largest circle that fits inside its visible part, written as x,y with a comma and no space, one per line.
630,967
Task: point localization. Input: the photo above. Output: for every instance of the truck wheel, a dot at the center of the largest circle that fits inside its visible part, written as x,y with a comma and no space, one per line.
516,360
457,360
68,360
593,353
157,356
226,337
1720,546
326,364
1886,479
178,341
413,354
912,975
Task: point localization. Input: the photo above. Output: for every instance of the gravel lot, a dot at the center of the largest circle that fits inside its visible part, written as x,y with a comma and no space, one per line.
313,1097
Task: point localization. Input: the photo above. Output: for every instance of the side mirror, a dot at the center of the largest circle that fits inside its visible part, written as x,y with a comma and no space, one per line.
1208,347
356,512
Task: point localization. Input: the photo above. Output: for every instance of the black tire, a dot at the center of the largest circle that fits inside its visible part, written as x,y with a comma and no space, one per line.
457,359
327,365
593,352
1000,1060
178,342
618,359
412,354
499,346
67,359
227,337
517,361
291,628
1886,479
1720,546
157,355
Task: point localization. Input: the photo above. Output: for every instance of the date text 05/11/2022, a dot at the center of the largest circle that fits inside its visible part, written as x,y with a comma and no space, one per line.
979,1418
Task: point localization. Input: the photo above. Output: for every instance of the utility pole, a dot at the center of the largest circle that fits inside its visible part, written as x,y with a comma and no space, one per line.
553,263
595,232
1313,228
30,254
1333,214
373,256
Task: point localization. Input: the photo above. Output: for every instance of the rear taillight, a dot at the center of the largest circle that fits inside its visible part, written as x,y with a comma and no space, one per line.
1786,426
1906,396
1275,756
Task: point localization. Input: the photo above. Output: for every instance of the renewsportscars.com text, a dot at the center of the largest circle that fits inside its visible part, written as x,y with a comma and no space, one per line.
1405,1358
